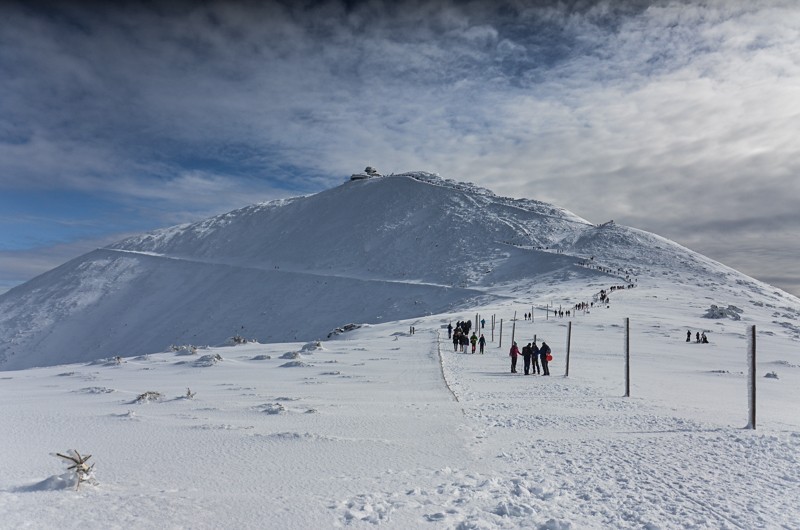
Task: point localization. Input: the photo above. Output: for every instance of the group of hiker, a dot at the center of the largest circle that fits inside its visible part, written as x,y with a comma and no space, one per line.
700,337
462,339
532,356
535,357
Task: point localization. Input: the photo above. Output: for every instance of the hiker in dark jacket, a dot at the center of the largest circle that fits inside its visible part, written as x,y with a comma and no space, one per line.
543,353
526,358
535,358
482,343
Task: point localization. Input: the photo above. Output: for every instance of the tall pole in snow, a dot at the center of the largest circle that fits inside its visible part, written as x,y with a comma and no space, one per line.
513,327
627,357
751,357
501,334
569,340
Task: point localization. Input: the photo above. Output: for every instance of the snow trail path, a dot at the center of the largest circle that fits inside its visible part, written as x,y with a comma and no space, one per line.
592,459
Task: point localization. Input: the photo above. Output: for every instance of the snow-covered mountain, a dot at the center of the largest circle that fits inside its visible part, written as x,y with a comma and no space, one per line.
368,251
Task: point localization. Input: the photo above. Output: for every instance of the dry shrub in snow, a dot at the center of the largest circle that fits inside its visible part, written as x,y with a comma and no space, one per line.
82,471
148,397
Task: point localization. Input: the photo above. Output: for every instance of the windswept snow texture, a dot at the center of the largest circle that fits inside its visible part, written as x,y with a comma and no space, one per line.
379,426
396,430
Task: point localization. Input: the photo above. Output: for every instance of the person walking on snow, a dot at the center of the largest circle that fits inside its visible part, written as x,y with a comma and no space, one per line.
450,330
482,342
543,352
455,340
535,359
513,354
464,341
474,341
526,358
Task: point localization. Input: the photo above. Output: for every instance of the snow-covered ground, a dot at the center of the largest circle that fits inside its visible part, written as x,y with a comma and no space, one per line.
379,427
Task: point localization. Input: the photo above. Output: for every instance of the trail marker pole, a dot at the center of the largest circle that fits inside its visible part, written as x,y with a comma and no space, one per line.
569,340
501,334
627,357
751,357
513,330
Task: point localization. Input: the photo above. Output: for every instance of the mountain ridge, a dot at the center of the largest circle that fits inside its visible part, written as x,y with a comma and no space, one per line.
369,251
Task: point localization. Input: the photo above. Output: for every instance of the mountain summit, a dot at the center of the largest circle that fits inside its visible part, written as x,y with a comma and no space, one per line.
367,251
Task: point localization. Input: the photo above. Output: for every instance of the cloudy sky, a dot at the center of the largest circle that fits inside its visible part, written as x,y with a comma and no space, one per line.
677,117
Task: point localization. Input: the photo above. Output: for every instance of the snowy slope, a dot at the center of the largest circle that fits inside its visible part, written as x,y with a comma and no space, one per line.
367,251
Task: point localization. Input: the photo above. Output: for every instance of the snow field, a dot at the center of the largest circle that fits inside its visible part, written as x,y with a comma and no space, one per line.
365,431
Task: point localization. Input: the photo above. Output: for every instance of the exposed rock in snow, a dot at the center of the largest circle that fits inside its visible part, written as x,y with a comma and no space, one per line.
732,312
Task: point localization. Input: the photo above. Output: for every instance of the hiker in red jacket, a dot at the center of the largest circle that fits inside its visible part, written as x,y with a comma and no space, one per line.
513,353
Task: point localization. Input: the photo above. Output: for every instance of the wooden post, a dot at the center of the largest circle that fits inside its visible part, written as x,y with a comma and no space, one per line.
569,340
751,357
627,357
513,330
501,334
493,328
